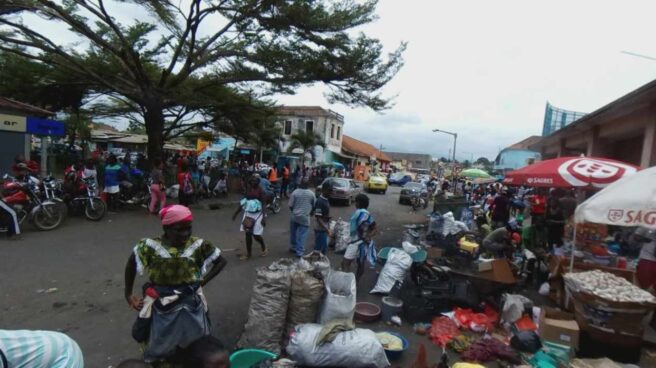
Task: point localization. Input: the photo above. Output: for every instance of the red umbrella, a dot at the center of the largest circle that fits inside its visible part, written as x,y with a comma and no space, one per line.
567,172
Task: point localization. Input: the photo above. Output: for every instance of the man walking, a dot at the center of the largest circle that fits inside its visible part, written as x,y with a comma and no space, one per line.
301,203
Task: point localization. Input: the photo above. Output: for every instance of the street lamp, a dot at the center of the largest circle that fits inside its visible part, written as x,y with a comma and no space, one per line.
455,140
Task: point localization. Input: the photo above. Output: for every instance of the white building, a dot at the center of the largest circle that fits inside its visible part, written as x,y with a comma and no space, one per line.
327,123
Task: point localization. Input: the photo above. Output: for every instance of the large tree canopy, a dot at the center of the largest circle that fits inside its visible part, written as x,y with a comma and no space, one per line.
186,62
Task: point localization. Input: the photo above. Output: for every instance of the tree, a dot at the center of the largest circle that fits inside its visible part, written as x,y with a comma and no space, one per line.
483,161
306,141
466,164
171,70
265,135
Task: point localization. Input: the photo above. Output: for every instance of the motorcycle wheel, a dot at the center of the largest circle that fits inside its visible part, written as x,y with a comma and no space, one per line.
48,217
95,210
275,206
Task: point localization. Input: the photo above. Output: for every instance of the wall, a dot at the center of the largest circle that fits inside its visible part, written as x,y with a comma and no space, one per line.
11,145
322,125
511,159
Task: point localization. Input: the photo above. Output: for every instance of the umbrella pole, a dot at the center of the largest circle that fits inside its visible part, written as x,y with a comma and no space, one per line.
571,260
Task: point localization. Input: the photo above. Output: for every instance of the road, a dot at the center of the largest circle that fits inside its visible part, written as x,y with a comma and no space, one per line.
84,261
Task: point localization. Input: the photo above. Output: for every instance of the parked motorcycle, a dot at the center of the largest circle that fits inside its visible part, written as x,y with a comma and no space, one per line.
53,191
417,201
88,202
136,192
24,198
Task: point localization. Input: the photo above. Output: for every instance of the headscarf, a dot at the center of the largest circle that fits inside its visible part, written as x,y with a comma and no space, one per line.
176,213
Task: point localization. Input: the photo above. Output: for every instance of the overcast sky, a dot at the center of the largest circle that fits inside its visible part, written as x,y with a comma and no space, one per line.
485,69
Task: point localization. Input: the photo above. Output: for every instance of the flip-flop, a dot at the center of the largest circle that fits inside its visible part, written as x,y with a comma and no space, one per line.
264,254
244,258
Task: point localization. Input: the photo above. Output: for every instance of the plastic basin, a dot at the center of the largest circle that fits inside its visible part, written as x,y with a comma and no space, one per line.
396,354
248,357
367,312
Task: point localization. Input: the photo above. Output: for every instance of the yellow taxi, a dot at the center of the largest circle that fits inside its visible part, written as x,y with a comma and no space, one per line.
376,183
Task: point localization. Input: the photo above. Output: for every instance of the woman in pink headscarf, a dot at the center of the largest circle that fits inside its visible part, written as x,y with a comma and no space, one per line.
178,265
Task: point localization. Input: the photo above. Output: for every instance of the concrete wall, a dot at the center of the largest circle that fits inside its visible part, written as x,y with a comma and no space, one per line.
322,126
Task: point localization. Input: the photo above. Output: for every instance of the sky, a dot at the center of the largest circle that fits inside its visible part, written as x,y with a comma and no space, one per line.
486,69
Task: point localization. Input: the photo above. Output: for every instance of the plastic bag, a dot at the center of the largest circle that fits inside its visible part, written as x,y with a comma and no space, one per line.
268,308
306,293
526,341
514,306
544,289
398,262
409,248
355,348
317,262
442,330
339,301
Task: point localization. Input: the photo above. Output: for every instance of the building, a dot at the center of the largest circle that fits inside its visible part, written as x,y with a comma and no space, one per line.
327,123
556,118
410,161
624,129
14,137
365,157
517,155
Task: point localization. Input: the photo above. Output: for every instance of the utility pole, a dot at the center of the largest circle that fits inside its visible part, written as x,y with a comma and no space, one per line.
455,140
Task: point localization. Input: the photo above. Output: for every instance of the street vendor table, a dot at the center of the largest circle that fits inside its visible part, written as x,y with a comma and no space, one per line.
494,282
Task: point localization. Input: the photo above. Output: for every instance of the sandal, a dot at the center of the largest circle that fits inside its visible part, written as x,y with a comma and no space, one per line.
244,257
264,253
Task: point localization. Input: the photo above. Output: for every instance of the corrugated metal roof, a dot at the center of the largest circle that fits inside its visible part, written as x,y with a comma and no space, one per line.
13,105
361,148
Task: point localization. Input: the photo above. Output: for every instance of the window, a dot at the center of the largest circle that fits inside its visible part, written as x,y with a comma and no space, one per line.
309,126
332,131
339,133
288,127
418,162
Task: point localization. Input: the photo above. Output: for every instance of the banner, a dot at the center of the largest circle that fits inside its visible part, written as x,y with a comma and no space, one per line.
201,145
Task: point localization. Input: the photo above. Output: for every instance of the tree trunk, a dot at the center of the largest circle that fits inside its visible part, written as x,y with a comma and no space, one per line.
154,121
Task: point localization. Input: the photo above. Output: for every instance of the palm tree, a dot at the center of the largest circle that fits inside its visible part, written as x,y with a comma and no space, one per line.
306,141
264,135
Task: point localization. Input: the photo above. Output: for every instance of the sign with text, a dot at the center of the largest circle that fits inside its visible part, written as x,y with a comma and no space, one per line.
13,123
45,127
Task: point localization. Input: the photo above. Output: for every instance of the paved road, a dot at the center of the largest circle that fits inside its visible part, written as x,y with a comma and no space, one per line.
85,262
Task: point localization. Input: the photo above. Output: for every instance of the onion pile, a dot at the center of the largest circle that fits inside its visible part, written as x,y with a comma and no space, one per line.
607,286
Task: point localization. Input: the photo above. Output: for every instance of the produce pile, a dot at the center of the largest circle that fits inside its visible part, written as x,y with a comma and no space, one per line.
607,286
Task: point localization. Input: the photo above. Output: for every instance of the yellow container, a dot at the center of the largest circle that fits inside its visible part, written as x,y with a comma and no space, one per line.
468,246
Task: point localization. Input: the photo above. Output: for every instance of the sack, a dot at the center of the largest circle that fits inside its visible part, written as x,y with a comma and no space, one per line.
355,348
342,236
317,262
398,262
306,293
268,308
339,302
248,223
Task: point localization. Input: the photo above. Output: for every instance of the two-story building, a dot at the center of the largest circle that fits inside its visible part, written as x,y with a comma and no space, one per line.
327,123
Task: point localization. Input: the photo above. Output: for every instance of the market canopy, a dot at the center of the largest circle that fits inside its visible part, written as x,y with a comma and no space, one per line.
629,201
475,173
568,172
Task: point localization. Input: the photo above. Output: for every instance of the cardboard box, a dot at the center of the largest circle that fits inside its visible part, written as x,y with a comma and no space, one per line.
559,327
484,266
434,252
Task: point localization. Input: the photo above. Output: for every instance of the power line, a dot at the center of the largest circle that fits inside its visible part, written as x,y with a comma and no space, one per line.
639,55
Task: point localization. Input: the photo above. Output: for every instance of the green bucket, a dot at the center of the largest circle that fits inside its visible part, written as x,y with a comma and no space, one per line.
246,358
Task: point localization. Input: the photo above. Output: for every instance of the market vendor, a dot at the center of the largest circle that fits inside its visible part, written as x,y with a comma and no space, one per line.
646,271
178,265
503,240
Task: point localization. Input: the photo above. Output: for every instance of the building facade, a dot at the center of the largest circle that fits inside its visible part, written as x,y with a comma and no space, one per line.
624,129
327,123
410,161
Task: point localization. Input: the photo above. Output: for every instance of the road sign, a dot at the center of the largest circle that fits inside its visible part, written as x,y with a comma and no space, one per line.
45,127
12,123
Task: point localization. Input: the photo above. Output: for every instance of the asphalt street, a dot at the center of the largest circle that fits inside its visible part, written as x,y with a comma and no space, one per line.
71,279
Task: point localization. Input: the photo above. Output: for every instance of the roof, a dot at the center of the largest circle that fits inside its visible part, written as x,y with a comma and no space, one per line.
308,111
21,107
398,156
103,126
637,99
361,148
526,143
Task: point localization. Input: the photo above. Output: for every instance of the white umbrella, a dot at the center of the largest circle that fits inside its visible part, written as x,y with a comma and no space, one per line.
630,201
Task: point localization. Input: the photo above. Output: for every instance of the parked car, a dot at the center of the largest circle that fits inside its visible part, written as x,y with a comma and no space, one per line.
343,190
399,179
376,183
411,189
423,178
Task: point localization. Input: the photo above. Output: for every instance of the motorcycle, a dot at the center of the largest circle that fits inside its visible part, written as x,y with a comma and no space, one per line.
93,207
274,204
25,200
53,191
137,193
417,201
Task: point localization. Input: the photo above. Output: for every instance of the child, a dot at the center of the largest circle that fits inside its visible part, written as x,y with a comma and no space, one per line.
361,247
